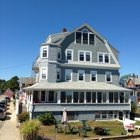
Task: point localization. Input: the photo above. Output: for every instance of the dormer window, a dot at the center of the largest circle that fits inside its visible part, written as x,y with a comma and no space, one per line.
84,37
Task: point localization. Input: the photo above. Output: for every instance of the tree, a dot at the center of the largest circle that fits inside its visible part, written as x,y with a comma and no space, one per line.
133,107
126,77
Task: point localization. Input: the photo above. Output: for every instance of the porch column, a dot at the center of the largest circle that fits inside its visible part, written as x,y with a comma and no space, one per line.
85,101
107,97
58,97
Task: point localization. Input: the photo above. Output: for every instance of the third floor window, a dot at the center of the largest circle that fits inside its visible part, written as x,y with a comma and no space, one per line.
84,56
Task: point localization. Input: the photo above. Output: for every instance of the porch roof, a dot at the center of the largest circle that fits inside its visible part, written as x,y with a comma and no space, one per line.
73,86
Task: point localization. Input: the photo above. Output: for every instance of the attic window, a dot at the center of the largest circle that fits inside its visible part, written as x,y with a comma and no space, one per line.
85,37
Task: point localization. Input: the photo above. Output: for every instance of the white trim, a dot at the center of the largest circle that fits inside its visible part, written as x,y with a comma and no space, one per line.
58,70
71,54
70,70
83,71
45,68
79,51
41,51
110,73
110,51
95,72
103,53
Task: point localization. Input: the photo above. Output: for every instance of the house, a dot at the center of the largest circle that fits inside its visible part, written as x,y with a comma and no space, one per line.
134,83
79,71
25,82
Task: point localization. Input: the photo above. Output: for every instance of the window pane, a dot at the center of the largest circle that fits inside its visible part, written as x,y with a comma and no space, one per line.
42,95
63,97
81,97
110,114
104,114
93,97
126,97
99,97
85,38
97,114
81,56
91,39
81,76
93,76
121,97
43,73
88,96
110,97
108,77
100,57
69,96
51,96
75,97
78,37
115,97
104,97
69,55
44,52
87,56
68,75
106,58
58,74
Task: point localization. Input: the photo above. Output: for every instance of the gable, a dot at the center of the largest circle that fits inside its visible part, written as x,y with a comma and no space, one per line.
101,45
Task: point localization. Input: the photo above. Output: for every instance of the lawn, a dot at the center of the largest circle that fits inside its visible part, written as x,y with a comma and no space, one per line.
116,128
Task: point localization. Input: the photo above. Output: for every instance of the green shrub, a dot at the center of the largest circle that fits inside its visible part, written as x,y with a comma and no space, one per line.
46,119
30,129
133,107
22,117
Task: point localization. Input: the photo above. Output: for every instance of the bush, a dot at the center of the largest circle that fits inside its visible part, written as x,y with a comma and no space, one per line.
22,117
30,129
46,119
133,107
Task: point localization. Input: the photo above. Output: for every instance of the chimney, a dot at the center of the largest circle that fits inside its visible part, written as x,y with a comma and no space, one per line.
64,30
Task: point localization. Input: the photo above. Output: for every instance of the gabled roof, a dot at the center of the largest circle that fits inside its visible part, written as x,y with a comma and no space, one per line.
136,80
79,86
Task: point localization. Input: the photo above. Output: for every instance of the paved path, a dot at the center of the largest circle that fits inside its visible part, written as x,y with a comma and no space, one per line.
9,130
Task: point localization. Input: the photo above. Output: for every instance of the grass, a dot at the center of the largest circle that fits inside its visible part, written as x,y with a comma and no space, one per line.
116,128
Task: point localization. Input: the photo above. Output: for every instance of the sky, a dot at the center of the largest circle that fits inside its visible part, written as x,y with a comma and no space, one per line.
25,24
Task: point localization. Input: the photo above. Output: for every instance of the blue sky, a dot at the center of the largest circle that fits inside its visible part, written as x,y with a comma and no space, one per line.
25,24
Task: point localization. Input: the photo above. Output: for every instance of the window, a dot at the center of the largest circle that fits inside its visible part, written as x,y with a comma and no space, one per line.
108,77
121,97
110,97
104,97
44,52
84,37
93,97
93,76
103,58
81,75
43,96
58,74
84,56
126,97
115,97
69,54
58,53
51,96
88,97
68,75
66,97
44,73
78,97
99,97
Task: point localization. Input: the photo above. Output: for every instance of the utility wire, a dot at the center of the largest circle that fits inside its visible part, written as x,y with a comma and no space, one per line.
15,66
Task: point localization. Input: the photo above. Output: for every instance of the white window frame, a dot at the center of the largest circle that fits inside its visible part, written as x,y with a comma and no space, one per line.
106,73
103,57
83,75
71,54
70,70
83,31
45,68
79,51
42,48
93,72
59,50
58,70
